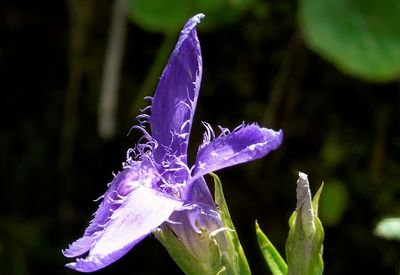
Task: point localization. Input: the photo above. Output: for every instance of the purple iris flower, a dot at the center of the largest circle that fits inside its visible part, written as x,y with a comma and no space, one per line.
156,186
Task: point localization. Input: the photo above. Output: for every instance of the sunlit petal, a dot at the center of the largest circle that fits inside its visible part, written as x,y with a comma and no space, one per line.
245,144
176,96
140,213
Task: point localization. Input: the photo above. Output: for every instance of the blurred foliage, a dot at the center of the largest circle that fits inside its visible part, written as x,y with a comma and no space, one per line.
333,202
170,16
361,37
388,228
256,68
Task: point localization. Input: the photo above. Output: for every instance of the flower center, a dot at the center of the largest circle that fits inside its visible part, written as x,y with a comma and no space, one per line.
137,174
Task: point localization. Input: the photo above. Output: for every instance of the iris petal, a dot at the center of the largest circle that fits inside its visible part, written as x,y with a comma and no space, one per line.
141,212
243,145
101,217
176,95
198,191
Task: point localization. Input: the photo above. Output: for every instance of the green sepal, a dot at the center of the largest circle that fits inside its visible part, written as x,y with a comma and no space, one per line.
276,263
178,252
221,258
315,200
214,264
169,16
305,241
236,257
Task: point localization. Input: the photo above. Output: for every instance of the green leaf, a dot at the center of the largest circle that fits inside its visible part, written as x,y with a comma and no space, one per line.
388,228
276,263
361,37
169,16
235,251
334,202
306,234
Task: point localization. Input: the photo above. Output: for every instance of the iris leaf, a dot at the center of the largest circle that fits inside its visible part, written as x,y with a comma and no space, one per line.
276,263
235,250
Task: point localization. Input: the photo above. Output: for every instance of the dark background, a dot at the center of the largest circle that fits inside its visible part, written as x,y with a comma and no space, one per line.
338,129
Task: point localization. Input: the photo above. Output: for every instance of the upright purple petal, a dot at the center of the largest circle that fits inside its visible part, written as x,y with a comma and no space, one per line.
140,213
243,145
176,95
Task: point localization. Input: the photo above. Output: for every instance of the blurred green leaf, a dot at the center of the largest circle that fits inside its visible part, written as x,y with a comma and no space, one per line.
276,263
333,203
388,228
333,152
361,37
169,16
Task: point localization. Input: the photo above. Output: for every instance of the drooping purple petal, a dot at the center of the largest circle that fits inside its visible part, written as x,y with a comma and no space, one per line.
245,144
141,212
176,95
101,217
